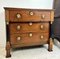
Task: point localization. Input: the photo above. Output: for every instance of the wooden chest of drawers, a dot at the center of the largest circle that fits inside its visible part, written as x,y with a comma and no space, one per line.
28,27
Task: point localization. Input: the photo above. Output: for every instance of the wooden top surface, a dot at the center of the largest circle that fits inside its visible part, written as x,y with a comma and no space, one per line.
13,8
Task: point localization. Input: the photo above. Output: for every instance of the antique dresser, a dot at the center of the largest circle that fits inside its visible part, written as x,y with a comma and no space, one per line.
28,27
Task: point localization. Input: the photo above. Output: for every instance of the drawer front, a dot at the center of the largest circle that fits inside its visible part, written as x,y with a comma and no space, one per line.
29,27
29,39
29,15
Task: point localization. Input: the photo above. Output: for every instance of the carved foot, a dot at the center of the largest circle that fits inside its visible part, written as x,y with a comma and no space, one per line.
8,50
8,54
50,45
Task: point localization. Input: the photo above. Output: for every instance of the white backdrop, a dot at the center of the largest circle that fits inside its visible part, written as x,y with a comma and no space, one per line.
39,4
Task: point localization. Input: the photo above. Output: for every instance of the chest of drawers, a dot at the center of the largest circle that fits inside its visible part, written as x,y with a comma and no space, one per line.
28,27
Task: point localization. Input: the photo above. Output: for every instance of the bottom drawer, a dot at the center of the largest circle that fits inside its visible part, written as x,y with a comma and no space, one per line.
29,39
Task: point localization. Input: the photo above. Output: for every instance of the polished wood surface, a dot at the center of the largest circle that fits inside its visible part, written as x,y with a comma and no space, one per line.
28,27
38,14
23,39
25,15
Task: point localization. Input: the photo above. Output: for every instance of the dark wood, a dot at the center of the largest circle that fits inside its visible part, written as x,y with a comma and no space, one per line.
50,46
25,16
12,8
31,27
8,47
26,28
25,13
27,40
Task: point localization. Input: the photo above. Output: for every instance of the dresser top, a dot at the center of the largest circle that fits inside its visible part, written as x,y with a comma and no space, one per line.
12,8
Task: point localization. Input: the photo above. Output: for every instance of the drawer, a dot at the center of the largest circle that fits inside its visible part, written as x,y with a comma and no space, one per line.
28,27
29,15
29,39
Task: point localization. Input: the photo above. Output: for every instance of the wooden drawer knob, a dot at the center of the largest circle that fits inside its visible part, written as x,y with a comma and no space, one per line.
18,27
41,26
30,24
30,34
31,13
18,15
42,16
41,36
18,38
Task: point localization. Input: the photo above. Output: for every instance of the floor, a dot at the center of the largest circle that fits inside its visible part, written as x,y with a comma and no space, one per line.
33,53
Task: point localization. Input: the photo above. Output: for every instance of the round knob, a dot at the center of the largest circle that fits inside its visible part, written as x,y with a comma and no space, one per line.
7,22
30,24
42,16
18,15
41,27
31,13
41,36
18,27
18,38
30,34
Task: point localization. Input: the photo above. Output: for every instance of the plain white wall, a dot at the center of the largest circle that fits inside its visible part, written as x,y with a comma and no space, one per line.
39,4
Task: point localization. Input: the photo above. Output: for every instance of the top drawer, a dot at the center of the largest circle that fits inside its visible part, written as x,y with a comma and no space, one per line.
29,15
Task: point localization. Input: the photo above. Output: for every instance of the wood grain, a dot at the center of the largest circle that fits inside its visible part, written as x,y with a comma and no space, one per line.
25,27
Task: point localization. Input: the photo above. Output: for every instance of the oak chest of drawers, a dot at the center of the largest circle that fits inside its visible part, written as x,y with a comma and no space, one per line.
28,27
